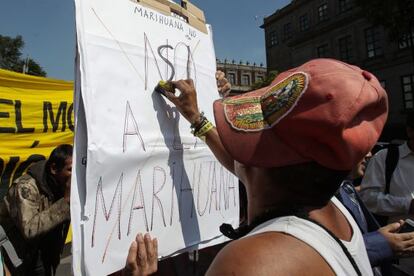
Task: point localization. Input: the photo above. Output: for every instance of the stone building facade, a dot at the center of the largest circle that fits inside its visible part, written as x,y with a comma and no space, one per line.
307,29
242,75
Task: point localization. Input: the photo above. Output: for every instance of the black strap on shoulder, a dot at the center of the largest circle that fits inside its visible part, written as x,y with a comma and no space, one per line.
235,234
390,164
341,244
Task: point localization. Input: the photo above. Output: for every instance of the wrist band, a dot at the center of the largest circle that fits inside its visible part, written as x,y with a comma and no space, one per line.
203,131
202,127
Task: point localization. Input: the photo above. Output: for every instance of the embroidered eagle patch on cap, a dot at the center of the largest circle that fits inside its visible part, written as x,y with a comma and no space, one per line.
258,111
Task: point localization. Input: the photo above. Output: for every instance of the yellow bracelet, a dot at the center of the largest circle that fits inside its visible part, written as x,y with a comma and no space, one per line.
203,131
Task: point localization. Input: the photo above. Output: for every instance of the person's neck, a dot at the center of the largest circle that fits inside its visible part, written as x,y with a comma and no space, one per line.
262,209
328,216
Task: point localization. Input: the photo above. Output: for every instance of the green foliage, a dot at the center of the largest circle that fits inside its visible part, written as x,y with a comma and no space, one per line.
269,78
11,57
10,54
35,69
397,16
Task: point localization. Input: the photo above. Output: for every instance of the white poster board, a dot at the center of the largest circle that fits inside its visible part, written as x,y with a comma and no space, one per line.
137,167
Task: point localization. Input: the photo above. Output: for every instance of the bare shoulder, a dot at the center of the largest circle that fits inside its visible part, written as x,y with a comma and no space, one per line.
270,253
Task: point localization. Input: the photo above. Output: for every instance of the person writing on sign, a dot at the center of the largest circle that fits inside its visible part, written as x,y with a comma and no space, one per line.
292,144
383,244
36,212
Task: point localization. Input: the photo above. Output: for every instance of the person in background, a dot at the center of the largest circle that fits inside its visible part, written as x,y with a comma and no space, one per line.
396,202
38,214
292,144
382,243
358,172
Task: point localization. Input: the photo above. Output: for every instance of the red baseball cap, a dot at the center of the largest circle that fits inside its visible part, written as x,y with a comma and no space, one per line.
325,111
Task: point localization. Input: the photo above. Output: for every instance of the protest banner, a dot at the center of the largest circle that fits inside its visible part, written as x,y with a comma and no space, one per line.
36,115
137,166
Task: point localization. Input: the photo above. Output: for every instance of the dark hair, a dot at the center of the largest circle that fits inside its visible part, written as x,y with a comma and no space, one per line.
410,119
59,156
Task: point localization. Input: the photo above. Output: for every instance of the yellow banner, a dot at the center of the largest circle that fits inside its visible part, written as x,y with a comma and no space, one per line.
36,115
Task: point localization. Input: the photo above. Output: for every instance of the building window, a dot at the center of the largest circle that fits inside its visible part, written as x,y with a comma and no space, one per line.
273,39
408,91
345,5
304,22
345,48
231,77
287,31
323,12
323,51
373,42
245,81
406,41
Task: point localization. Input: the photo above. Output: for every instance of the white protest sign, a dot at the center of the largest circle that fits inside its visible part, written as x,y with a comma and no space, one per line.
145,172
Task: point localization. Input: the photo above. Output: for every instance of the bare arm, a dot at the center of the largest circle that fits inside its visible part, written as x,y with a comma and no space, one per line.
186,104
214,143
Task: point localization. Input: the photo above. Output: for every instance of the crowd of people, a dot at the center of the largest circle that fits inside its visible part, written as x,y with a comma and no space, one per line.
298,146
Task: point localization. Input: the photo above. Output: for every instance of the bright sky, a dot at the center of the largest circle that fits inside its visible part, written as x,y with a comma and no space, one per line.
48,29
